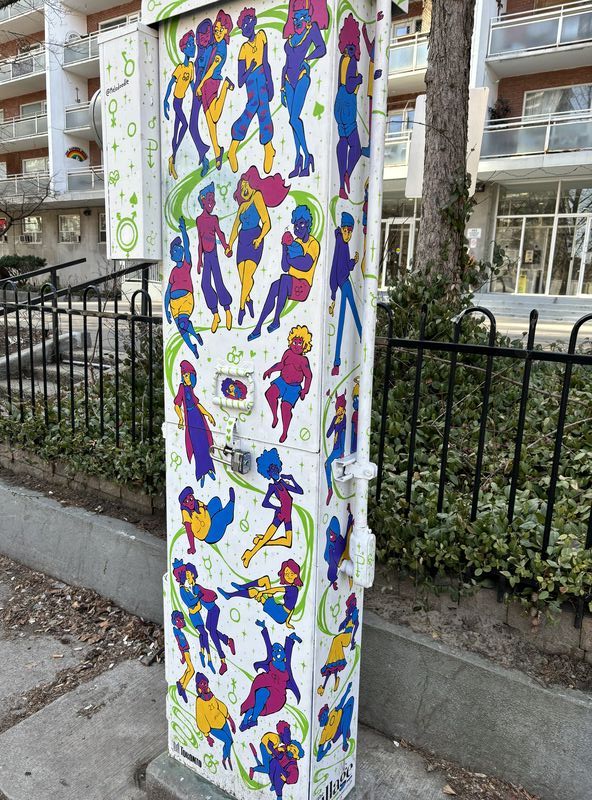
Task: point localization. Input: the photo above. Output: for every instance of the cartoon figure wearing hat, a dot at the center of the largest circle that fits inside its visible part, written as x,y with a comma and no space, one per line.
194,418
339,279
277,601
336,429
337,546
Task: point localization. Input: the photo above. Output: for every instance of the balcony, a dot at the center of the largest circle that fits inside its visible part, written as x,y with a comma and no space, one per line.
86,181
396,155
18,187
22,75
21,18
15,132
408,61
78,122
541,41
81,56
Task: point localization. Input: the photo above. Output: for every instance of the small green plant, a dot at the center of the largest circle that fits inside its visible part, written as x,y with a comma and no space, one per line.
13,266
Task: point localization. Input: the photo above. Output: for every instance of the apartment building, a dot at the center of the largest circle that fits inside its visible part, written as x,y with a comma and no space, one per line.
534,191
50,161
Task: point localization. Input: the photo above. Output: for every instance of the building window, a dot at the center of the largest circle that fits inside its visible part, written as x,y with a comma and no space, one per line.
32,166
102,228
69,228
406,27
399,120
32,229
32,109
561,100
117,22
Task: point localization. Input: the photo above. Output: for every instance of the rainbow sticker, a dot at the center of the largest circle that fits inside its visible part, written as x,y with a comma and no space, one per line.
77,153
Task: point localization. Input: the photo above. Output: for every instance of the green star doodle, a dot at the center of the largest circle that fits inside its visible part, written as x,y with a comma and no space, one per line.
115,147
149,198
121,195
131,167
149,84
109,68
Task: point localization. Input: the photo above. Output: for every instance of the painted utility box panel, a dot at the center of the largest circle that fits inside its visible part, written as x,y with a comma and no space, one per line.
131,133
264,137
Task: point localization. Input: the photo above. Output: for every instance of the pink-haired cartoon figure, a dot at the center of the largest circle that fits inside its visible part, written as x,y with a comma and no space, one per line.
336,429
254,73
293,382
213,96
183,76
346,638
302,32
345,109
254,195
194,419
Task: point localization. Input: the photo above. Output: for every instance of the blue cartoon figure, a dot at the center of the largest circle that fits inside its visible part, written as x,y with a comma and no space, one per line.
213,719
182,78
179,622
302,32
178,299
339,279
337,430
271,742
280,754
337,546
208,235
274,678
254,73
280,490
336,724
354,416
196,421
234,389
300,254
346,639
373,75
278,602
345,109
206,523
205,54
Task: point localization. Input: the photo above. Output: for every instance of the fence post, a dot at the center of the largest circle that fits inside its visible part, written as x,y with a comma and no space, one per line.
145,291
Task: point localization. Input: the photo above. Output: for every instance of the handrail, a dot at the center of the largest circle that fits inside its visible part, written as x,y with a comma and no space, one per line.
42,270
409,38
14,121
538,13
8,12
539,119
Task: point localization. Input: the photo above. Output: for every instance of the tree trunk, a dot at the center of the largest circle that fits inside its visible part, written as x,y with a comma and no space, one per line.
440,246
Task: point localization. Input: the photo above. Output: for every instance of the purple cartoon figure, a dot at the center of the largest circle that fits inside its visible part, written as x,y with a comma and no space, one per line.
182,78
178,299
337,546
336,724
372,76
293,382
304,43
179,622
270,687
212,283
345,108
344,640
337,430
254,73
196,421
339,280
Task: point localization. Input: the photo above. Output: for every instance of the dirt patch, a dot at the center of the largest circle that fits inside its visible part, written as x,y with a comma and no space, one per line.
36,604
467,785
494,640
91,501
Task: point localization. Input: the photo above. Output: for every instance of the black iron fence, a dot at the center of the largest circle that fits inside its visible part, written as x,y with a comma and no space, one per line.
84,358
483,419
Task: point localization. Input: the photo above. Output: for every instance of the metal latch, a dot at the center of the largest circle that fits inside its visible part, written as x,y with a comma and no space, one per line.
349,468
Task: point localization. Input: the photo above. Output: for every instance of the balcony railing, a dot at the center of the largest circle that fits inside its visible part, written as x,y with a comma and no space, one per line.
77,116
87,180
83,49
21,66
23,127
408,53
396,149
557,27
19,8
31,185
525,136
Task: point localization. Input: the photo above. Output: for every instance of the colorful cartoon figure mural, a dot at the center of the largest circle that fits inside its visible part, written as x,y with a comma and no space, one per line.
278,602
281,488
234,389
254,195
302,32
213,95
372,76
205,48
212,283
205,522
337,546
279,758
213,719
300,254
345,108
346,638
337,430
271,742
336,724
178,299
293,382
339,279
182,78
354,416
254,73
195,597
179,622
194,419
274,679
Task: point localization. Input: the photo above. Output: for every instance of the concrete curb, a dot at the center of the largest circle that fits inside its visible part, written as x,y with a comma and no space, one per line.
116,559
469,710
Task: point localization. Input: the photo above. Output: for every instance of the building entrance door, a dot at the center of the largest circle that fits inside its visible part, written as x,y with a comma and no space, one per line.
398,249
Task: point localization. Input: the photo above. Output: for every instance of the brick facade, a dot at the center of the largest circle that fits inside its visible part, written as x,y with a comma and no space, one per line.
403,100
12,105
513,89
13,161
10,48
93,20
524,6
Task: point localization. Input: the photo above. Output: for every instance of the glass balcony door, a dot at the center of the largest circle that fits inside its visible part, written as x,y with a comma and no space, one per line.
397,254
570,274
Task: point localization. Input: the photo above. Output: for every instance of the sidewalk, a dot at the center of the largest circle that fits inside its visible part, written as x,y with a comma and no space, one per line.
80,721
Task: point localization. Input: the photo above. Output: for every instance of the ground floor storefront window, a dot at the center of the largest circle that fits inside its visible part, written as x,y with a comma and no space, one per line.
545,234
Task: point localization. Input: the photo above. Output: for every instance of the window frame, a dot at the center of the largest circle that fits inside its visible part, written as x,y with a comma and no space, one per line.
62,231
553,89
102,227
45,171
34,103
